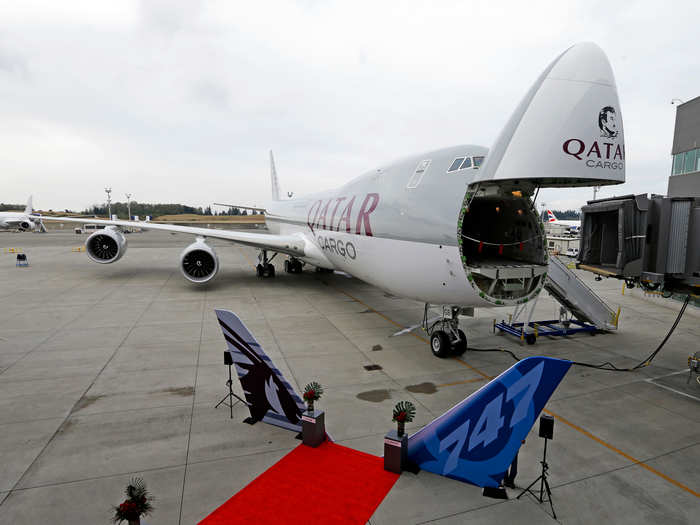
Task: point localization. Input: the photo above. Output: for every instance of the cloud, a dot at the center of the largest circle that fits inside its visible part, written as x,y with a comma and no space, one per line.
150,96
13,64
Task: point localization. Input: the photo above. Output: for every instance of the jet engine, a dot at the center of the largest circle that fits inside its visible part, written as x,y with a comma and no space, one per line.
198,262
26,225
106,246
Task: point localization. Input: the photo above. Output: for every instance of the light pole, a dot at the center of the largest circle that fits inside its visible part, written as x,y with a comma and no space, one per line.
596,189
128,204
108,191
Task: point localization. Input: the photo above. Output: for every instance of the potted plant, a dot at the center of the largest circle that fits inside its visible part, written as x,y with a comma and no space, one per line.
138,503
404,412
312,392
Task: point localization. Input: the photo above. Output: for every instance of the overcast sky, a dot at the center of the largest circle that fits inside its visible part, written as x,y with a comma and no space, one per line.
181,101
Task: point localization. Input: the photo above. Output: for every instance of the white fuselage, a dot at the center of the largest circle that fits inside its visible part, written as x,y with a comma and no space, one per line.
390,228
16,220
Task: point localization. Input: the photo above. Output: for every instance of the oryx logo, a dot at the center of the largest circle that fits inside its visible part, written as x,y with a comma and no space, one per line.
607,122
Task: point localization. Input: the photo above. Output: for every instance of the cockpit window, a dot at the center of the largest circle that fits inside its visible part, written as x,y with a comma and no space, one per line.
478,161
466,164
456,164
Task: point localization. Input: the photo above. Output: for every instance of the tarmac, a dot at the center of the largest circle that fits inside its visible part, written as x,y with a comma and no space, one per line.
112,371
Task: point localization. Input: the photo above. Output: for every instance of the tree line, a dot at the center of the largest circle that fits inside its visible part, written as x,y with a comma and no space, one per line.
155,210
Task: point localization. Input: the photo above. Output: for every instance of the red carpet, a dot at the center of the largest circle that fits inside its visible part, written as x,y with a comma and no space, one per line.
328,484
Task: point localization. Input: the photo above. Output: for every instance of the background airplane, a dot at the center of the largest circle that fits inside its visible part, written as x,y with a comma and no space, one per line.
455,227
21,220
572,226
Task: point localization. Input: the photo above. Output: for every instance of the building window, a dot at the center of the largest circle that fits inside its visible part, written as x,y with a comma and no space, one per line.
689,164
686,162
677,163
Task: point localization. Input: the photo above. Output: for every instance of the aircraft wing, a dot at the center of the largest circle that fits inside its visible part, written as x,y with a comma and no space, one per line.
289,244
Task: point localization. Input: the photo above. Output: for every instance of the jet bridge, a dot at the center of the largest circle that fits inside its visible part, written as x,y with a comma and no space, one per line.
653,242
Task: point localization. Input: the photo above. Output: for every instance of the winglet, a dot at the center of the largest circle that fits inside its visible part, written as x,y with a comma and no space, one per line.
273,177
477,439
29,209
269,396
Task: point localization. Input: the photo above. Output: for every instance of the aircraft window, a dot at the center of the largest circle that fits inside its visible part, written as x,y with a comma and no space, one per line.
418,174
456,164
466,164
478,161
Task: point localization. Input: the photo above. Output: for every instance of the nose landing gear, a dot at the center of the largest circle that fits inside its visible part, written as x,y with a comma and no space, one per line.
446,339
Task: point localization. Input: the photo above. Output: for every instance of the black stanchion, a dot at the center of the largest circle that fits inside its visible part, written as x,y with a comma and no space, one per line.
313,428
395,452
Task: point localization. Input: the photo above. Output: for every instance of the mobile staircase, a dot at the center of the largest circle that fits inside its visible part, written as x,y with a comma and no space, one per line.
583,310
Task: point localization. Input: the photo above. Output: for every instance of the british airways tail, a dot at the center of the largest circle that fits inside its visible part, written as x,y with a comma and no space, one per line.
269,396
551,217
477,439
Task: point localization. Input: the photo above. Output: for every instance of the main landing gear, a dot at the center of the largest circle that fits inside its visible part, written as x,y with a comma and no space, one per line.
265,268
446,339
293,265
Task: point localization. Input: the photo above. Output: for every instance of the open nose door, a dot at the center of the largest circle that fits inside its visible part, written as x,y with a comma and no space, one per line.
567,131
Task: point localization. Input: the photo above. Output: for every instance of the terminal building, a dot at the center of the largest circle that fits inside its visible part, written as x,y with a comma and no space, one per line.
685,172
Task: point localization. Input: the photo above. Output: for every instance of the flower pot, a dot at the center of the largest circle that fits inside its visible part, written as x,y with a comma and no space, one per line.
310,405
400,427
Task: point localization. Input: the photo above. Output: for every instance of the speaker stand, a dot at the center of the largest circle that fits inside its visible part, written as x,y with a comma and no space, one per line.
544,484
228,398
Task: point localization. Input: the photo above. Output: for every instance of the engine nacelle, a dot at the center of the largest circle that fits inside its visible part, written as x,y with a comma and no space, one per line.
198,262
106,246
26,225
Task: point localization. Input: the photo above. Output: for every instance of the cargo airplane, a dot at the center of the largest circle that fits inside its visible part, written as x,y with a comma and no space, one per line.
455,227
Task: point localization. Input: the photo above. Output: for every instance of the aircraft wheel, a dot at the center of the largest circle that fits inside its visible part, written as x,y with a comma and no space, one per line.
270,270
459,347
440,344
259,270
530,339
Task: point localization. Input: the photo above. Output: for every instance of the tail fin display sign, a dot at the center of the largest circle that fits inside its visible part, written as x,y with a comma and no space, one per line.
476,440
269,396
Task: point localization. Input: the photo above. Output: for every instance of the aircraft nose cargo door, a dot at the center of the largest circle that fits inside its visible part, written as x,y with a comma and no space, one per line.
567,131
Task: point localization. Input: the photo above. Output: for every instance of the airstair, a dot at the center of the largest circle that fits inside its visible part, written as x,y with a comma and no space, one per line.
577,297
578,300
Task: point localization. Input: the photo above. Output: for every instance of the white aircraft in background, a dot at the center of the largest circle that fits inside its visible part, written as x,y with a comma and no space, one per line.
455,227
25,221
572,226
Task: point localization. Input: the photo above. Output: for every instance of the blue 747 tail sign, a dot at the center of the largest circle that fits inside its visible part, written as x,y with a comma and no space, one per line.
477,439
